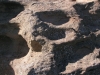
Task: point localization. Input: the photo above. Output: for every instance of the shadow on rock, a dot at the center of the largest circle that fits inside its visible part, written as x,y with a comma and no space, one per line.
50,33
89,13
12,45
31,72
57,17
9,10
95,70
77,49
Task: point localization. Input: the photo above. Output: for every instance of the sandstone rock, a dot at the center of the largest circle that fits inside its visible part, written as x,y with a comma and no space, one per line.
49,37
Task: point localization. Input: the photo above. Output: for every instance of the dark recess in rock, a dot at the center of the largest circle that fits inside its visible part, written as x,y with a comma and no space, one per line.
57,17
9,10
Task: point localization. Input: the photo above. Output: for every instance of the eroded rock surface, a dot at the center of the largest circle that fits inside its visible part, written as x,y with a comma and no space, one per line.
49,37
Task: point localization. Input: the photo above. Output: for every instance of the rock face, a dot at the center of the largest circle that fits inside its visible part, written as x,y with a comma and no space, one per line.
49,37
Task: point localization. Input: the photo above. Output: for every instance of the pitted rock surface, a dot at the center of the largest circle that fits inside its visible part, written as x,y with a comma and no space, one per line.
49,37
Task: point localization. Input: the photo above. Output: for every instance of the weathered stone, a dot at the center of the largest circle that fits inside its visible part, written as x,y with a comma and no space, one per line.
49,37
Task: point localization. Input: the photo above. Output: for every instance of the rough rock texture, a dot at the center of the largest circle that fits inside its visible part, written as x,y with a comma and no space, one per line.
49,37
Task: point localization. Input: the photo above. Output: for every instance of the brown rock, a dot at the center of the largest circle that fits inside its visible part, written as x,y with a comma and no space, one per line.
49,37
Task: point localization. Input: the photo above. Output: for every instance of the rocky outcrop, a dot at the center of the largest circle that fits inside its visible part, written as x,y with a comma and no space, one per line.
49,37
